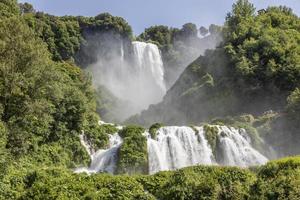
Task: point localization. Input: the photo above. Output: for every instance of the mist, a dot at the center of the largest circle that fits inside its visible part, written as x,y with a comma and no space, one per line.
188,50
134,73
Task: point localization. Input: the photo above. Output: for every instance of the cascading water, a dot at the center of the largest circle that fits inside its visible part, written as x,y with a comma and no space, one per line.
176,147
236,149
103,160
137,80
149,64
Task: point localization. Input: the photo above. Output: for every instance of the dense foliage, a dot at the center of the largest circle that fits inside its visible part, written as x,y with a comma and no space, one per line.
61,36
69,38
44,105
9,8
275,180
264,49
133,154
46,101
79,40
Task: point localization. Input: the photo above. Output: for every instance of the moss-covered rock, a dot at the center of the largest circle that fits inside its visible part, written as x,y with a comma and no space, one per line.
194,129
211,134
133,154
222,121
247,118
265,118
98,134
154,128
131,130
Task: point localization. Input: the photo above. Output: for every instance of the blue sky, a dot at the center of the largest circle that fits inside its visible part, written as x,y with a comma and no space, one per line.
141,14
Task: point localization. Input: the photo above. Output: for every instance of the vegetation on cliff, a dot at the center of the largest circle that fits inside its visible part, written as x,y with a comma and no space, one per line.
253,71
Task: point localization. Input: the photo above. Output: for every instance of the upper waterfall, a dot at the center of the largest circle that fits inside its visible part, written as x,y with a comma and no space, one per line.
149,63
137,79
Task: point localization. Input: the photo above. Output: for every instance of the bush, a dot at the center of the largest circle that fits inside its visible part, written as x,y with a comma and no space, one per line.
187,184
154,128
131,130
278,180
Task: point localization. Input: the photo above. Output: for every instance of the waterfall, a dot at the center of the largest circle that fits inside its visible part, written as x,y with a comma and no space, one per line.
149,63
103,160
175,147
86,144
136,78
236,148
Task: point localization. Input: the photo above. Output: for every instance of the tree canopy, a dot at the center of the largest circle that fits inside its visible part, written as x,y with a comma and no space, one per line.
44,105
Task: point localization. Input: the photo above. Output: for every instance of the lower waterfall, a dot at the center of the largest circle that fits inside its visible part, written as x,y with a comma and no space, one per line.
236,149
103,160
176,147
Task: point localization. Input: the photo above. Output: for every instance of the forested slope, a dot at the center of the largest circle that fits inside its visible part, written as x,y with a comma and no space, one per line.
44,104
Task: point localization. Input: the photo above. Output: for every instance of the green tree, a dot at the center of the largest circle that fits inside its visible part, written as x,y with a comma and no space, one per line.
45,105
9,8
203,31
26,8
214,29
238,20
161,35
189,30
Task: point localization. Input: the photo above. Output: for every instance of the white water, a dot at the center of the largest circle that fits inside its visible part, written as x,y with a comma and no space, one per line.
149,65
103,160
237,149
176,147
138,81
86,144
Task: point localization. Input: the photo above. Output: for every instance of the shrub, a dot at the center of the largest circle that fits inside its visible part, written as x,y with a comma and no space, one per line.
278,179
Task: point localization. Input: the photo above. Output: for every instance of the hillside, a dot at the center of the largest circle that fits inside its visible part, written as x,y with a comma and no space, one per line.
253,71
